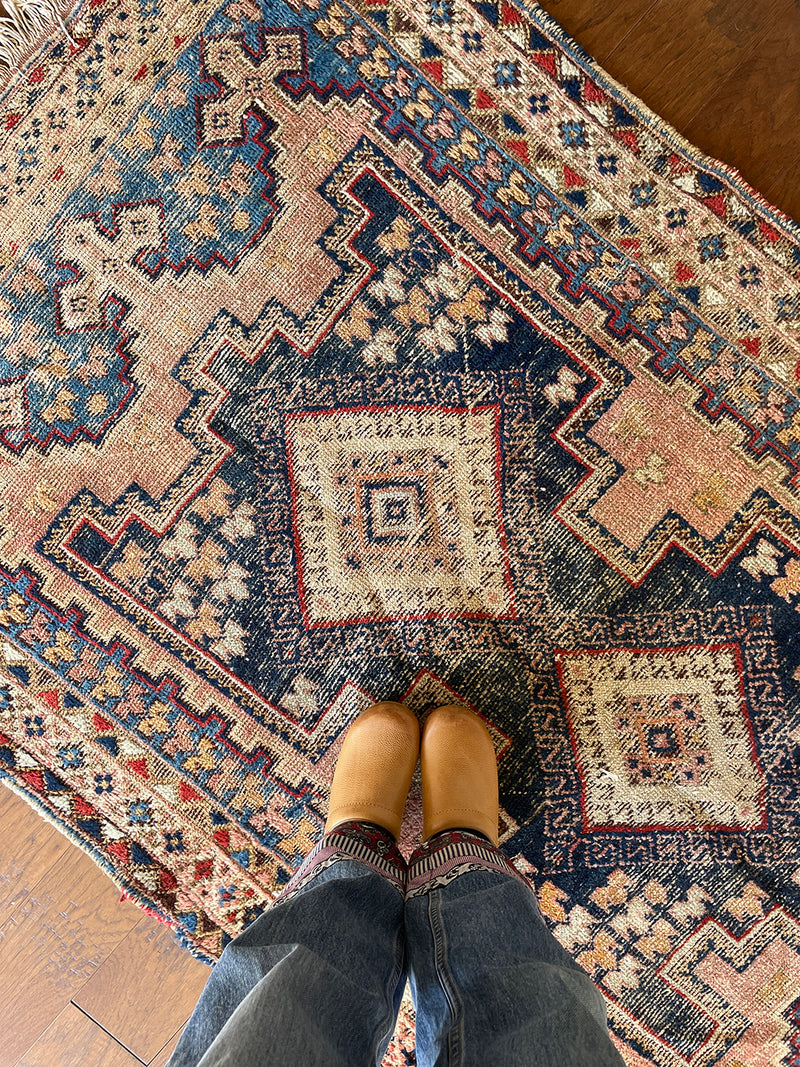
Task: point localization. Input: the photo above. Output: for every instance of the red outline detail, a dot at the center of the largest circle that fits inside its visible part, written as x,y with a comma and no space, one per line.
169,689
591,828
122,373
373,409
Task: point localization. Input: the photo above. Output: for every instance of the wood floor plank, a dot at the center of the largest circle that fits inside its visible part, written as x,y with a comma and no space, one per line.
679,53
52,944
145,989
598,27
162,1058
784,191
29,847
751,120
722,72
73,1039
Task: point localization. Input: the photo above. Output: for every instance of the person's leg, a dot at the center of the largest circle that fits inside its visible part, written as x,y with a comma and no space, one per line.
317,980
489,981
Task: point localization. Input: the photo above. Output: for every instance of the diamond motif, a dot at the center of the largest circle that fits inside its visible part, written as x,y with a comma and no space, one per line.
662,738
393,512
396,514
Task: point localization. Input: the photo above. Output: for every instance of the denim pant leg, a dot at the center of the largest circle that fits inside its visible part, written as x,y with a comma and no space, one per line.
317,980
489,981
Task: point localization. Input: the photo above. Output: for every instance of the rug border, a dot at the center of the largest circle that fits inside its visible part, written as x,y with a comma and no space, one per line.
577,54
654,122
134,895
657,123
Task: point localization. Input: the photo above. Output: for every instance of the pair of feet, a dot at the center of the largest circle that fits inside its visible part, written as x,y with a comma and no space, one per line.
457,763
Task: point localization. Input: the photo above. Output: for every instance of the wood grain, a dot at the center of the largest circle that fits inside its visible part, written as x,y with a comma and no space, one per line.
72,1039
722,72
751,120
679,53
53,942
29,847
162,1058
784,190
145,985
596,26
130,972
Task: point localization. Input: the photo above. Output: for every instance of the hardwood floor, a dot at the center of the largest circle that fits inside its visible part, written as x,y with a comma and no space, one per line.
85,979
88,980
724,73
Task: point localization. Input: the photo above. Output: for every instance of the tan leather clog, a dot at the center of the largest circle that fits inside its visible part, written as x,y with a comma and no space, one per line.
459,774
375,766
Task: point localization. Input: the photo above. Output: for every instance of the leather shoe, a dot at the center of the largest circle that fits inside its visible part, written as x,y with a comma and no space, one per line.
375,766
459,774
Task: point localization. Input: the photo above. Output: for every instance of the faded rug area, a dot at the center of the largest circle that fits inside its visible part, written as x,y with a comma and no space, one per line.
387,350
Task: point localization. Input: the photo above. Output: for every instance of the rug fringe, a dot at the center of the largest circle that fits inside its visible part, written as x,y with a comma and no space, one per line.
22,28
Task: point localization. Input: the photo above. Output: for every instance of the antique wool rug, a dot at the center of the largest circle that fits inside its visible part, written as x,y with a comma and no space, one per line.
390,350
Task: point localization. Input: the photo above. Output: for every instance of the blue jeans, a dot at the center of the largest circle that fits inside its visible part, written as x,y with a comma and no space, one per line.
317,980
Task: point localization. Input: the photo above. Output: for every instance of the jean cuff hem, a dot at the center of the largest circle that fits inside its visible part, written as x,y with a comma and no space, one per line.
448,855
362,841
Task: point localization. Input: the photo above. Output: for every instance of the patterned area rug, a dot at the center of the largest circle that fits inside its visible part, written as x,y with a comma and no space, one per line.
370,350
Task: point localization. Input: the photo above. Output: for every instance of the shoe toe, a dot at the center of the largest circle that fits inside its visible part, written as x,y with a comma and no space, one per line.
375,767
459,774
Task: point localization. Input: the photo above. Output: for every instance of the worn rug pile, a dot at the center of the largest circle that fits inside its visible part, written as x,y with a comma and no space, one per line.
389,350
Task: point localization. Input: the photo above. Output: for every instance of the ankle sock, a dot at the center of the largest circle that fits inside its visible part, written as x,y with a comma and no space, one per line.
350,824
375,826
462,830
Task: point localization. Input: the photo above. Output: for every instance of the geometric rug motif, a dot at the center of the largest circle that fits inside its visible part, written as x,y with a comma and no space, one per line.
376,350
418,504
646,724
690,973
676,752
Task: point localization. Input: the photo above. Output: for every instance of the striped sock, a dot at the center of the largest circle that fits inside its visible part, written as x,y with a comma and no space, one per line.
463,830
